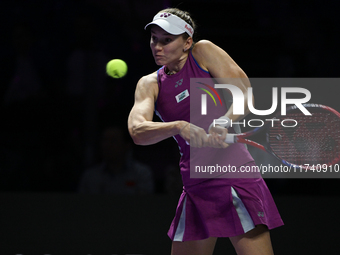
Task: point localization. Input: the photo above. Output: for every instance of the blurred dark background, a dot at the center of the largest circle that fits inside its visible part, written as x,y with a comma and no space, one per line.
56,99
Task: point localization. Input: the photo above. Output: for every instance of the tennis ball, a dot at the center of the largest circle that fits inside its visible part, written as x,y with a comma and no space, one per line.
116,68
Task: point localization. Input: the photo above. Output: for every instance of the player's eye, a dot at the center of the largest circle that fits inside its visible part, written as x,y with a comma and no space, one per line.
168,40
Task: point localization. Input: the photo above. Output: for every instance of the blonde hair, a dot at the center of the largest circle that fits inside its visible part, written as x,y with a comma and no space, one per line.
184,15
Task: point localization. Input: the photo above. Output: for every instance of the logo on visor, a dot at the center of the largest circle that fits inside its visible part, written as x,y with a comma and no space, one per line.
189,29
165,15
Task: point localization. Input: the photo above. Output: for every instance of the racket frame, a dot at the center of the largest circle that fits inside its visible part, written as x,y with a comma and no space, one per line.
241,138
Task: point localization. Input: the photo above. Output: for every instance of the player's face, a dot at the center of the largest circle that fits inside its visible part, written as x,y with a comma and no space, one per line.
166,48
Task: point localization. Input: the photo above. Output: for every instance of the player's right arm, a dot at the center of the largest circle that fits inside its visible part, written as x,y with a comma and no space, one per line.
144,131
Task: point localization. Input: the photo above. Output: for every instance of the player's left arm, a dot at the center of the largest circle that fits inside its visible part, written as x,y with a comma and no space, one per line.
220,65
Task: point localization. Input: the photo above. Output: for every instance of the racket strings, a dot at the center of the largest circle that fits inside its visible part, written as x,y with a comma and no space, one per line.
314,140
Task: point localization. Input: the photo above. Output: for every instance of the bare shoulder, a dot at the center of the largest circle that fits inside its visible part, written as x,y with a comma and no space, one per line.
206,51
147,86
204,48
148,80
216,60
203,45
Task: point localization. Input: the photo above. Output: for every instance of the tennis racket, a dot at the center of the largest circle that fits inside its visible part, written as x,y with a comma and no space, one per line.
304,141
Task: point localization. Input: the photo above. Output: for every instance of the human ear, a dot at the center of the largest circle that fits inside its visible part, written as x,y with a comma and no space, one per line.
188,44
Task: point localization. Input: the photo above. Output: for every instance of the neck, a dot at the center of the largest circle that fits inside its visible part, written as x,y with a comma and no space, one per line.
176,67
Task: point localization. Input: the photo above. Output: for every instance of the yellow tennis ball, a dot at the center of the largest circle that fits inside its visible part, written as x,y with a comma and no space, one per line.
116,68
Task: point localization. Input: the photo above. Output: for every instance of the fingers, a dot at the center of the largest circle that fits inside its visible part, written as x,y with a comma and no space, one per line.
214,141
197,137
217,137
194,135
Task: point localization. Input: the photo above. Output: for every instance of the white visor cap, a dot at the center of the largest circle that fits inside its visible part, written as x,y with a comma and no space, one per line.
171,24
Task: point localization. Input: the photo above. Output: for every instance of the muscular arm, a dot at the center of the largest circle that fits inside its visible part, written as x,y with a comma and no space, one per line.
222,67
141,127
215,60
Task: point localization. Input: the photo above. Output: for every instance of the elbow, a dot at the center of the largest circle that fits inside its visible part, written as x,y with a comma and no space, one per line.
136,136
137,140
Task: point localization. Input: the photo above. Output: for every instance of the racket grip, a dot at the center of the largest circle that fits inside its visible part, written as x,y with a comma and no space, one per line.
230,138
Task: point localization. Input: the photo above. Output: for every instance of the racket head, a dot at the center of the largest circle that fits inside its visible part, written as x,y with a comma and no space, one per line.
313,141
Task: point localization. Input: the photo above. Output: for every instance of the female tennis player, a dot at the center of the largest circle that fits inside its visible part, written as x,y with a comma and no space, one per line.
239,208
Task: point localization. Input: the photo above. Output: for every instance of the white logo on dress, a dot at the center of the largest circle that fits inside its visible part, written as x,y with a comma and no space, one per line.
260,214
179,83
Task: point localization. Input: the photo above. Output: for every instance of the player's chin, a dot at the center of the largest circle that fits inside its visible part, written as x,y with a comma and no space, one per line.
159,61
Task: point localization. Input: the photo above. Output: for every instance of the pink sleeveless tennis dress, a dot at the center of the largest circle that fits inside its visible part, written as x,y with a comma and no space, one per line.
211,207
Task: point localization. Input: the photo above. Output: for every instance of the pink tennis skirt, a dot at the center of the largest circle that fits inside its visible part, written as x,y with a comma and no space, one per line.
223,208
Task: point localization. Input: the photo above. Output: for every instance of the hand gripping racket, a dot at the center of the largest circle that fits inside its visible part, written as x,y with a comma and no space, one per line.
304,140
